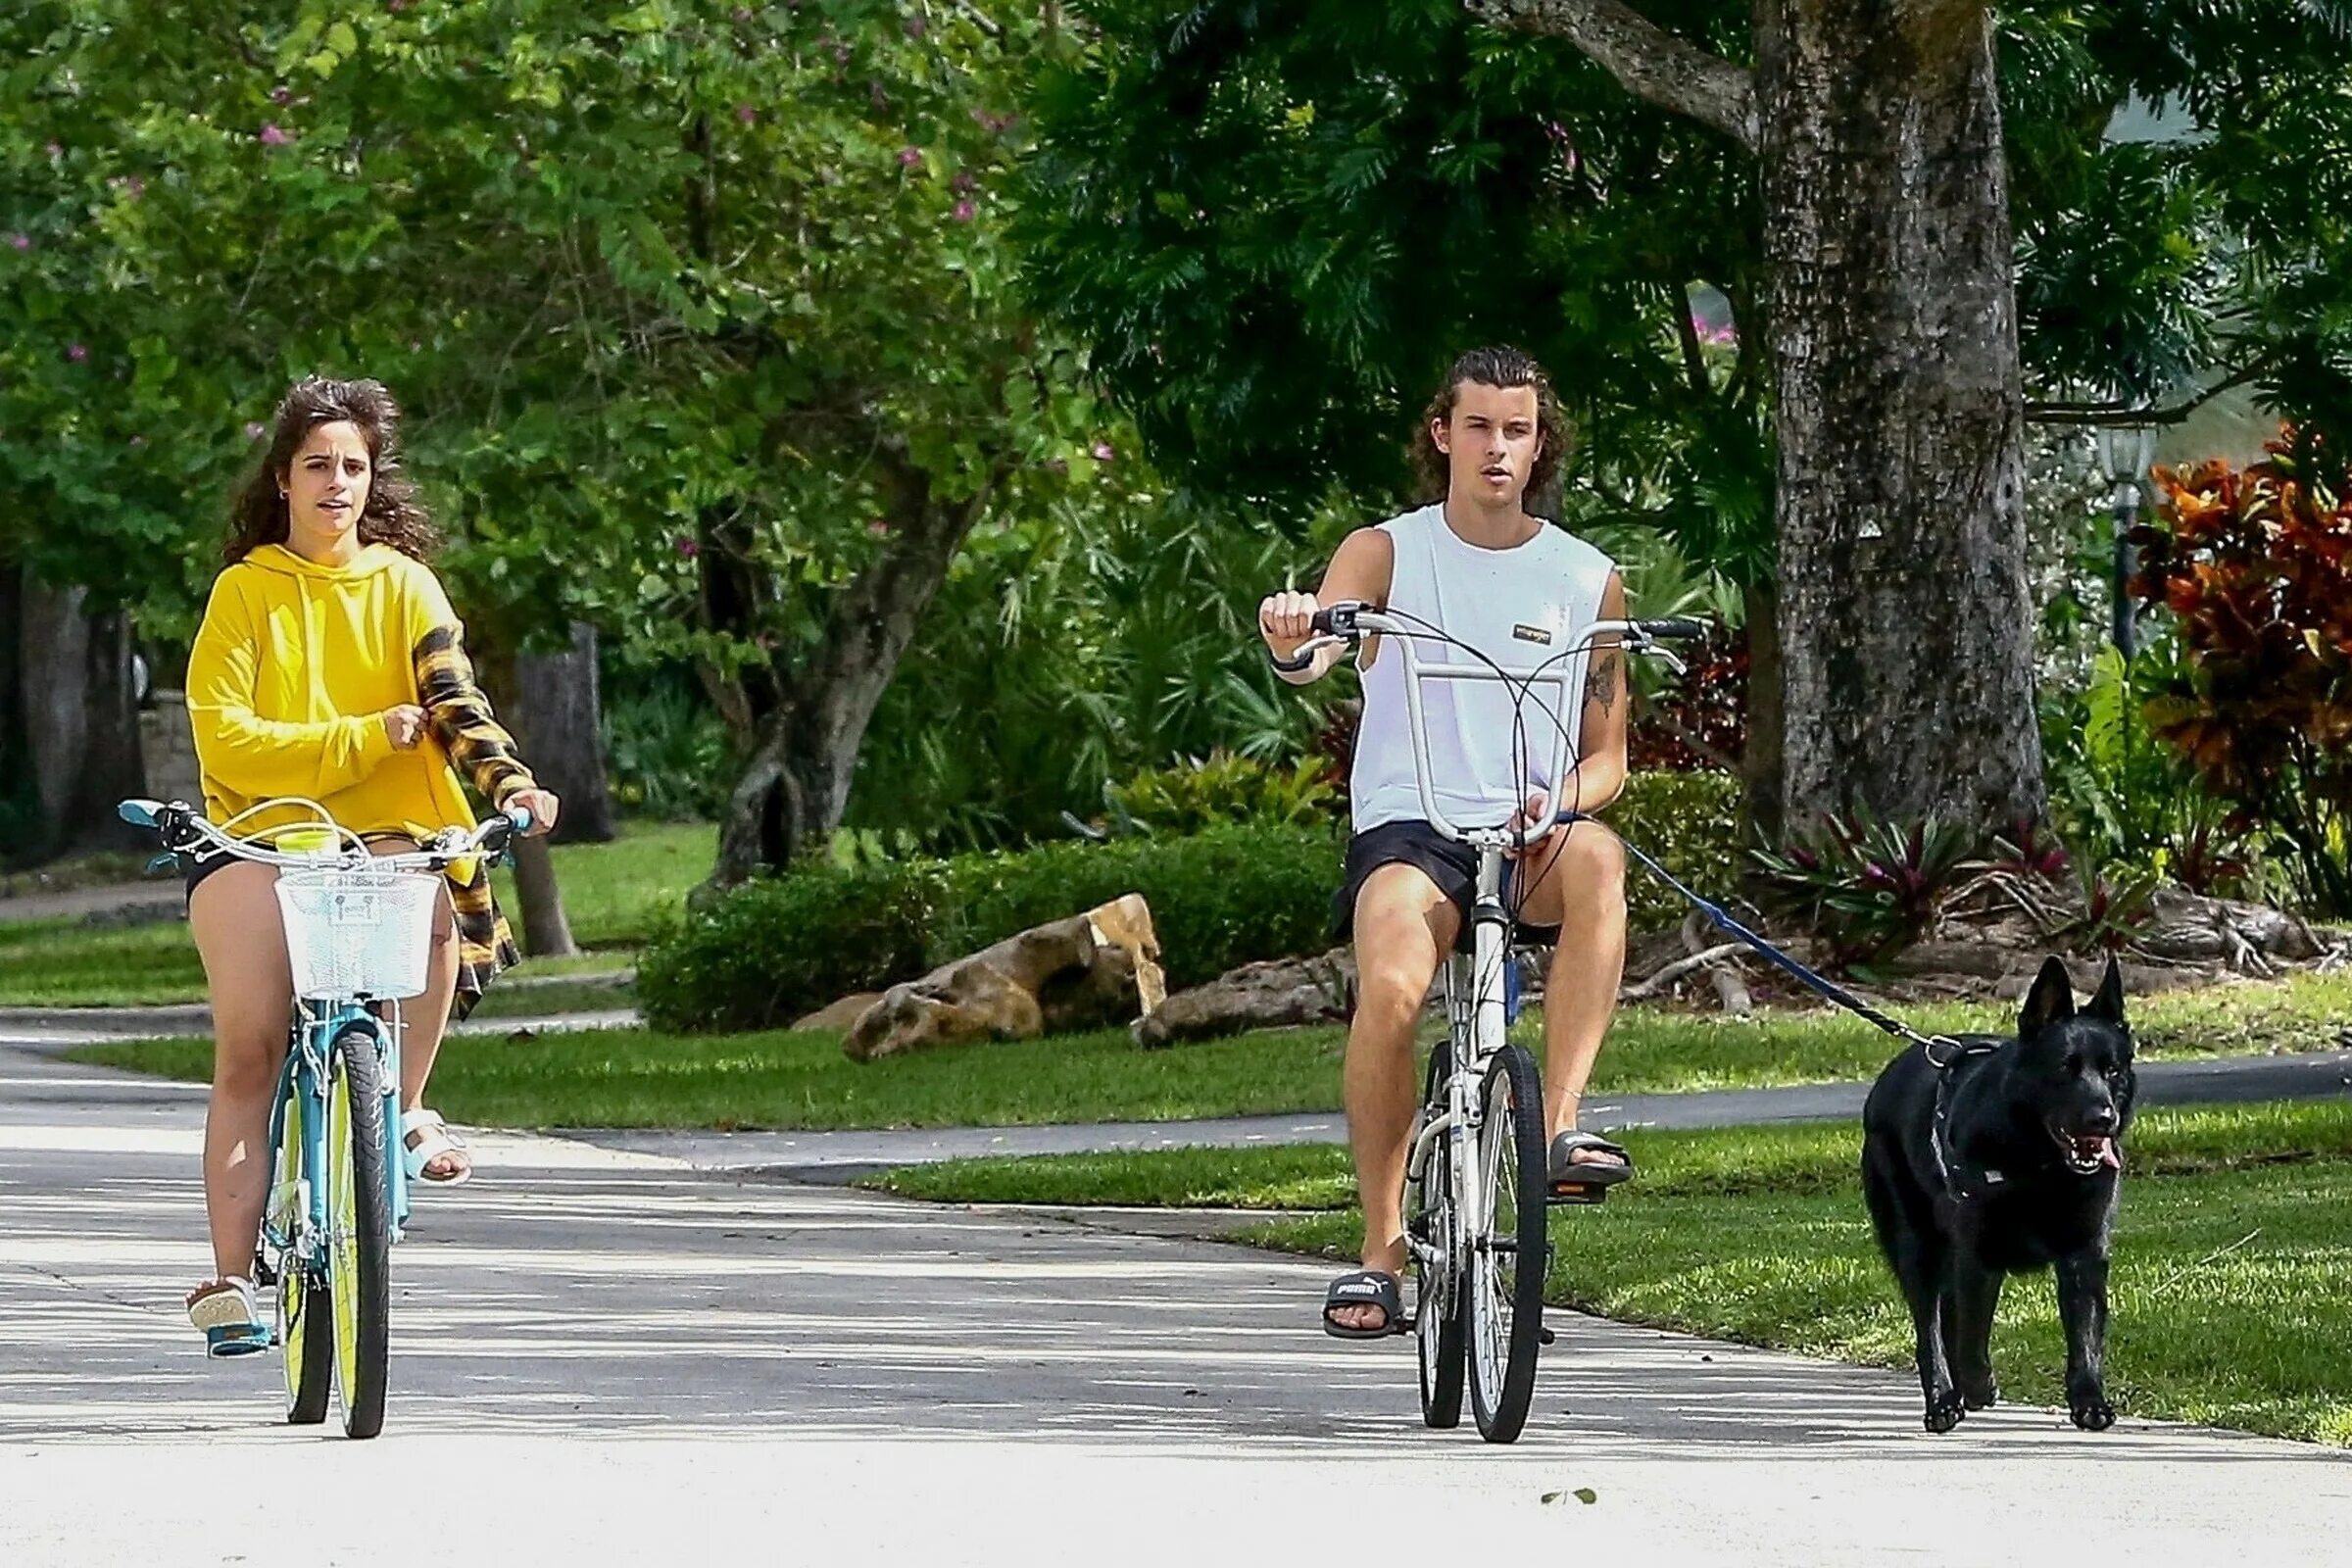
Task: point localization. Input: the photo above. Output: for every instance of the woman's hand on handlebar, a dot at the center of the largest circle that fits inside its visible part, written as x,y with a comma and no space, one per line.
1285,620
541,803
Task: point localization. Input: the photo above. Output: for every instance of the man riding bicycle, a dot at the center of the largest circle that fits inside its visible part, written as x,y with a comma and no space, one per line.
1477,566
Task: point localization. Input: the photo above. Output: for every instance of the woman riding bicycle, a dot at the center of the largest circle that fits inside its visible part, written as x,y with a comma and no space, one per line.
330,666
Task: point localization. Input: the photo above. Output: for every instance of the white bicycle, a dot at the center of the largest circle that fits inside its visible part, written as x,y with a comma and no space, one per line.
1476,1184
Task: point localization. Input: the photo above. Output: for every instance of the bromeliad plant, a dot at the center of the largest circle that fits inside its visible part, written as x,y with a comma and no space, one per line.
2255,563
1866,887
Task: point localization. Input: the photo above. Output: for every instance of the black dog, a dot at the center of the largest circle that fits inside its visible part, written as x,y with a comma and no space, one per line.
2006,1160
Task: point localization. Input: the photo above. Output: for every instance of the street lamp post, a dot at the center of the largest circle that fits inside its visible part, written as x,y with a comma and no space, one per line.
2124,451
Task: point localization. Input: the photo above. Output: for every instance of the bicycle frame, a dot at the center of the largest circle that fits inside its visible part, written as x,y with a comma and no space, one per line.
303,1078
1475,1004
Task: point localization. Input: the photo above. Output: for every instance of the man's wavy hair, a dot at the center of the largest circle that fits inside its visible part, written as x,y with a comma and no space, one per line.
393,515
1499,366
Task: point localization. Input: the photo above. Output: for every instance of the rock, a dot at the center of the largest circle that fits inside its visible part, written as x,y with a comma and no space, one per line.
1090,969
841,1014
1258,996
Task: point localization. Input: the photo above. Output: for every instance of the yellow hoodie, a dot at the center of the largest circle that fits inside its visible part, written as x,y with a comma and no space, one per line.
289,678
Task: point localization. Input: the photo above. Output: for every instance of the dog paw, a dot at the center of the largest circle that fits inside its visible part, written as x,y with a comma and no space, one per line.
2094,1414
1980,1396
1944,1411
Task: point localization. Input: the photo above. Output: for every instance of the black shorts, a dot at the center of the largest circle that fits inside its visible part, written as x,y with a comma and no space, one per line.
195,867
1451,866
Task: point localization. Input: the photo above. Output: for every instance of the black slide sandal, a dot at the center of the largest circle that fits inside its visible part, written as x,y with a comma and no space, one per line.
1585,1181
1368,1287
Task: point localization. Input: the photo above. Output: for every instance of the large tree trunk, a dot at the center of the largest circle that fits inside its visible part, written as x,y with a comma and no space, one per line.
546,928
557,716
78,708
1905,628
1760,762
800,724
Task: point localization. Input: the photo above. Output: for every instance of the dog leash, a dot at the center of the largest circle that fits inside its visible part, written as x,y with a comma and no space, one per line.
1941,1050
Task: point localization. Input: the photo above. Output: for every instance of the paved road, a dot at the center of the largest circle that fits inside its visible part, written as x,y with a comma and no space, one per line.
605,1357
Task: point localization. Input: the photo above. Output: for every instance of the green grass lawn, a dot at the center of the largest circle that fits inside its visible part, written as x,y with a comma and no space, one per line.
615,894
643,1078
2231,1295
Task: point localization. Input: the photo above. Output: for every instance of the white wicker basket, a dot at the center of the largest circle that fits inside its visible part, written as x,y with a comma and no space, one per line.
358,932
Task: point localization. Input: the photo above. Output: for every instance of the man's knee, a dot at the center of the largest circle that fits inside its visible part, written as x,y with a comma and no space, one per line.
1594,856
1391,988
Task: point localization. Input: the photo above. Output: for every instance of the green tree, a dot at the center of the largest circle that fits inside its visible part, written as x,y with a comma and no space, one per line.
1276,218
702,311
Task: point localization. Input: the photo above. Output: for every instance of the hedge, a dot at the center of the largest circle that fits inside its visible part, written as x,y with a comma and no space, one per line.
777,950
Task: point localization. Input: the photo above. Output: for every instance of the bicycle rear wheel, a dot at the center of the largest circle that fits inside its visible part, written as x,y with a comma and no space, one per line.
1431,1220
359,1206
304,1320
1508,1264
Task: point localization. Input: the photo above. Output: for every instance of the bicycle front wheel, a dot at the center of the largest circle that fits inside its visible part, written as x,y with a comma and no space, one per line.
304,1320
1509,1260
359,1206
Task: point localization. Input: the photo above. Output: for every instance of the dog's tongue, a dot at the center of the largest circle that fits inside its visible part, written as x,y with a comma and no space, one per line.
2107,1156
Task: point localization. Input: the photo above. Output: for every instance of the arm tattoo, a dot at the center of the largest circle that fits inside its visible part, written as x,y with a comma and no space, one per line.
1600,682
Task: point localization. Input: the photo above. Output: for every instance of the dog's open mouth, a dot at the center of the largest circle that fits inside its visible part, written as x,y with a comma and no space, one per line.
2087,1153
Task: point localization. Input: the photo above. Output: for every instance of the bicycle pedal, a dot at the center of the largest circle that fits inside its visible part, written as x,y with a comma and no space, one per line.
1578,1192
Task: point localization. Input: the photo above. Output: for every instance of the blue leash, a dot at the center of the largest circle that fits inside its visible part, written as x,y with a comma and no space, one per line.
1941,1050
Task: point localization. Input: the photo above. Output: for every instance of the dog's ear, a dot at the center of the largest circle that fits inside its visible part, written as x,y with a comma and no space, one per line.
2051,1000
2109,1003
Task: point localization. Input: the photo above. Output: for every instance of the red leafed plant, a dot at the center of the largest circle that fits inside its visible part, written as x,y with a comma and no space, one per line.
2256,564
1698,720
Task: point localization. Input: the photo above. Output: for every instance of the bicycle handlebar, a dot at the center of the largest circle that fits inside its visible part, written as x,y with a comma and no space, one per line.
1350,620
182,828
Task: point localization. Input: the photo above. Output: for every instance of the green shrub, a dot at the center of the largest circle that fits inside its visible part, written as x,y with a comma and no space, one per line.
1227,788
777,950
1690,822
1220,899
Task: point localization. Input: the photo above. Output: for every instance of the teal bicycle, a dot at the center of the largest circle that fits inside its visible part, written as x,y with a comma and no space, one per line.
359,937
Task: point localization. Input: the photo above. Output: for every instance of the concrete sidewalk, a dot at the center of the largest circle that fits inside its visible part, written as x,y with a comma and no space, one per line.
606,1357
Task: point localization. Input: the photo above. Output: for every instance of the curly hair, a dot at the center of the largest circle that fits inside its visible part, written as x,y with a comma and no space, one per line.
393,515
1499,366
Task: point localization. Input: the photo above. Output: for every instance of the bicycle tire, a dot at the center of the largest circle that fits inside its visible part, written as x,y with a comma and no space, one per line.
1506,1305
1436,1298
306,1330
358,1210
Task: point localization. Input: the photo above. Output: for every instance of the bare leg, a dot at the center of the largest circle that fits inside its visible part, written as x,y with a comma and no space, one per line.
239,935
1404,928
1578,883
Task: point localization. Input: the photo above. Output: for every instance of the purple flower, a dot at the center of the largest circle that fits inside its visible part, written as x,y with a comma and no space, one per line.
138,187
879,527
908,157
23,242
963,181
255,430
917,27
76,352
687,548
966,211
1104,452
746,114
281,95
272,136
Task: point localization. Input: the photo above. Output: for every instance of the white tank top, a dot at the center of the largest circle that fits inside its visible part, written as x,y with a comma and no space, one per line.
1519,607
